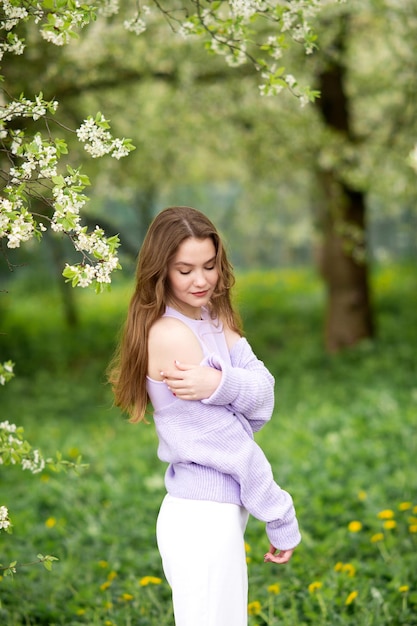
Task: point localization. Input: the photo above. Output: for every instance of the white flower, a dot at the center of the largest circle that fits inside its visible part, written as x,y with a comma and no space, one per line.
109,7
14,441
186,29
13,15
86,276
57,38
247,8
4,518
10,428
135,25
98,140
35,465
290,80
119,150
21,229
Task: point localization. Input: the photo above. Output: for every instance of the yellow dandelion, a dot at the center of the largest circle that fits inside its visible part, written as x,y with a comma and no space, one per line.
105,585
349,569
127,597
412,520
50,522
80,612
248,559
413,528
247,547
377,537
404,506
275,588
362,495
108,606
254,608
338,567
149,580
108,622
355,526
403,588
389,524
415,509
315,586
351,597
386,514
103,564
112,575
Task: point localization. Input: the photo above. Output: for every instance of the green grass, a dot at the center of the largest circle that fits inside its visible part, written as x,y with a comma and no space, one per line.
342,441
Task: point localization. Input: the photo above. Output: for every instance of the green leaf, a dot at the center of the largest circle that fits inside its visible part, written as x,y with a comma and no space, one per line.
58,181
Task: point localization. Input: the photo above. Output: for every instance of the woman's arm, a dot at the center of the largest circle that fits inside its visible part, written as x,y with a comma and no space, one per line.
191,432
246,385
205,432
171,340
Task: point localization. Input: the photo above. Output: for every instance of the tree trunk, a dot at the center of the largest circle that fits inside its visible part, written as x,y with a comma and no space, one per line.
349,311
342,258
69,306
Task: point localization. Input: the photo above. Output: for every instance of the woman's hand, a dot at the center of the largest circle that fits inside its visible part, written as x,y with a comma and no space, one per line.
283,556
192,382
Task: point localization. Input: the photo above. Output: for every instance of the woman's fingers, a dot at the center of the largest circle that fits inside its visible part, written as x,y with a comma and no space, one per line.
283,556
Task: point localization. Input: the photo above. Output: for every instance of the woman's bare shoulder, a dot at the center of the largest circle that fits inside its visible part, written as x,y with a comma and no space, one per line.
171,340
169,329
166,324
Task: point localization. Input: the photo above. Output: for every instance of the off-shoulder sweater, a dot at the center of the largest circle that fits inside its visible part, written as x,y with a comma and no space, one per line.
209,444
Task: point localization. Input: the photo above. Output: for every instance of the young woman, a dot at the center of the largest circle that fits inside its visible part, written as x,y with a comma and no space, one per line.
183,350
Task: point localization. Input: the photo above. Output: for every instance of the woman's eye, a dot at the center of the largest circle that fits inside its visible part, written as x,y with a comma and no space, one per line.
185,273
210,268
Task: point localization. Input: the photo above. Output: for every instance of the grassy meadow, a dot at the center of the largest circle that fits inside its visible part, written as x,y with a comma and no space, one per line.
342,441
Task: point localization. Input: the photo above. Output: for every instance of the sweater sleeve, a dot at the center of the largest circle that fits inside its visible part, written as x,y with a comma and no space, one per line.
207,436
246,385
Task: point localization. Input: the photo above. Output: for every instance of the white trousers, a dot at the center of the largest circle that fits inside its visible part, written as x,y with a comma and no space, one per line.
203,555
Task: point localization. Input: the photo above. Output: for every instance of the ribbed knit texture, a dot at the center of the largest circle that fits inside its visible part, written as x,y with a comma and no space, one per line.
209,444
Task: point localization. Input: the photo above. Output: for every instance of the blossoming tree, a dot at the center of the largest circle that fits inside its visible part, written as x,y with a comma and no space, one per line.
255,31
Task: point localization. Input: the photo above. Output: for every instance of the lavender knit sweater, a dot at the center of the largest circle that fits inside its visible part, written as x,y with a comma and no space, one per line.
209,444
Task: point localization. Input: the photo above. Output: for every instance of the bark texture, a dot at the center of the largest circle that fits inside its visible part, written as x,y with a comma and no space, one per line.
342,257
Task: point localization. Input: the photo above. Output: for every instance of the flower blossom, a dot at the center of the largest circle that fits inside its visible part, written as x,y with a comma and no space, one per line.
355,526
351,597
149,580
5,523
254,608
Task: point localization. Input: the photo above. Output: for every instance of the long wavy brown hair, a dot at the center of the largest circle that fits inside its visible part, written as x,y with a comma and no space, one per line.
127,371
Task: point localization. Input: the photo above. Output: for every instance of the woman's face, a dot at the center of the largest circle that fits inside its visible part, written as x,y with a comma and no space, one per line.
193,275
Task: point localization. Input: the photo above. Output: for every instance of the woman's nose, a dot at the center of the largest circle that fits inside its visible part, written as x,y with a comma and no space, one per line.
199,277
